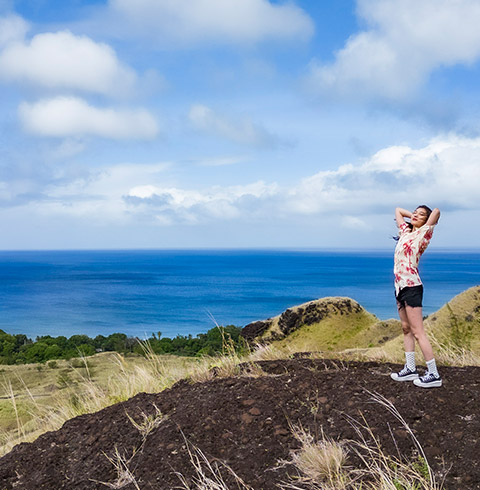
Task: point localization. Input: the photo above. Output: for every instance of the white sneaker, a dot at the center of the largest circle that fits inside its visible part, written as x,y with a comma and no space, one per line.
405,375
430,380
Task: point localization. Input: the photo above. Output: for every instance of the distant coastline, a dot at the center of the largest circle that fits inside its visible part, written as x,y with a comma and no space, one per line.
99,292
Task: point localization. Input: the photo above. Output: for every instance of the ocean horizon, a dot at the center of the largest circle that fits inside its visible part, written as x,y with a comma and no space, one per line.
186,291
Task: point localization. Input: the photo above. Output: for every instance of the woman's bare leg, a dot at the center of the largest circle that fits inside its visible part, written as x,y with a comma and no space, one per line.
415,321
408,338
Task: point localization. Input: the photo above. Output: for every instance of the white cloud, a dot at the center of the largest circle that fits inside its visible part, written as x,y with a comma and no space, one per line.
443,173
63,60
12,29
355,223
95,197
172,205
405,41
242,131
199,21
71,116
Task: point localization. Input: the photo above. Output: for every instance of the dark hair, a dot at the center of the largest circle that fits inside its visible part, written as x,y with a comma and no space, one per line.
427,209
423,206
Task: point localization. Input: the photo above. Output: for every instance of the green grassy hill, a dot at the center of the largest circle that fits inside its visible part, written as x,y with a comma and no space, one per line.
338,324
332,323
458,322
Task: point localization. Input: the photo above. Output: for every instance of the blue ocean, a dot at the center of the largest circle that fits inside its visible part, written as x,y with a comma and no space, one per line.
186,292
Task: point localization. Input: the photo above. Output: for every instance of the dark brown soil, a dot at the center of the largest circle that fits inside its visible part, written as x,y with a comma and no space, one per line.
244,422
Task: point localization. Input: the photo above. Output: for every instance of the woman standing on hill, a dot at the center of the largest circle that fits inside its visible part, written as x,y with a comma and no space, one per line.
413,240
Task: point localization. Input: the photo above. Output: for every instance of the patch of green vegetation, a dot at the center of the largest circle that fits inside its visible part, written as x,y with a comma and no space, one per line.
334,332
461,333
19,349
33,389
64,379
9,413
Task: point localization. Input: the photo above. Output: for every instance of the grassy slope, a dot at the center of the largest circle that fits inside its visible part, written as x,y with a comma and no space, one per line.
336,330
456,324
463,309
462,313
26,389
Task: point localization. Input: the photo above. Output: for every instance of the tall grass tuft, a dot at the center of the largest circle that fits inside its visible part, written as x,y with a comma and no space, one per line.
125,476
325,464
208,475
322,463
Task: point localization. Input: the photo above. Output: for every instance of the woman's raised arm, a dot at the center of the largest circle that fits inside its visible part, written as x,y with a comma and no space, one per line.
434,217
400,215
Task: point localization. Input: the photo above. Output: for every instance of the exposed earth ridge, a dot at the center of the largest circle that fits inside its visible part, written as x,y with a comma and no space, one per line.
244,422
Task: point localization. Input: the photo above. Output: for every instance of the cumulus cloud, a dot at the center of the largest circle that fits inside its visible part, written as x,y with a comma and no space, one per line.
404,42
242,131
355,223
72,191
173,205
72,116
444,173
63,60
12,29
198,21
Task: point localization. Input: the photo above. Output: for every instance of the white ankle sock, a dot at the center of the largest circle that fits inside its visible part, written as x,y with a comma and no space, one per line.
410,360
432,367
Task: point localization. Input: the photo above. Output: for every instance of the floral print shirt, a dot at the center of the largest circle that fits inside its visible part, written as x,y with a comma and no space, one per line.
408,251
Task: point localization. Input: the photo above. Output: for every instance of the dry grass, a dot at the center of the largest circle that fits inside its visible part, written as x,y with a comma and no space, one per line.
385,472
451,355
323,464
446,354
148,422
124,475
85,394
269,352
253,370
208,475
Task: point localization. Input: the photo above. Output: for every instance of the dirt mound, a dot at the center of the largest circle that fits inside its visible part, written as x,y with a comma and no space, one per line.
244,422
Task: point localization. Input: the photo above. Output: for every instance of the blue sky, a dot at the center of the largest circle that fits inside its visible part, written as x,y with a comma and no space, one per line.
236,123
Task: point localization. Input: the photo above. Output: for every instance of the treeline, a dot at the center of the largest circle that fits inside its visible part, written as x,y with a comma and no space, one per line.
19,349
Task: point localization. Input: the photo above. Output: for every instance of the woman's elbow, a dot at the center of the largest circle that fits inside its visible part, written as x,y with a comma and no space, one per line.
435,216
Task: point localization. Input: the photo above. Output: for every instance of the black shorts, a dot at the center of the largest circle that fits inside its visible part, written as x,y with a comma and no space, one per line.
411,296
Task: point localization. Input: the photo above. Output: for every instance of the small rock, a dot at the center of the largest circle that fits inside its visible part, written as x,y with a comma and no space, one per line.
401,433
435,451
248,402
281,432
